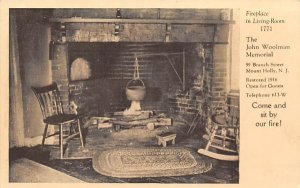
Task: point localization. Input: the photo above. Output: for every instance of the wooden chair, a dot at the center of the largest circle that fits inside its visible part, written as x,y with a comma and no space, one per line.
223,135
53,114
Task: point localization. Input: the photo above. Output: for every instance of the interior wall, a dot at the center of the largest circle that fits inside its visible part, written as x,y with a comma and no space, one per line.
35,70
16,119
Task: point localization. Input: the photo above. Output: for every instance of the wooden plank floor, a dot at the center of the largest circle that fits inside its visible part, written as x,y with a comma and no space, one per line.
27,171
222,172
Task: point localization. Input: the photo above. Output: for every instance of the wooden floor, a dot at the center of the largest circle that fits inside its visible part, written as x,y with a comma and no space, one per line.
27,171
97,139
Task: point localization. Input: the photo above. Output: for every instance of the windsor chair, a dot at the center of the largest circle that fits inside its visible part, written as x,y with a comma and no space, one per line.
53,114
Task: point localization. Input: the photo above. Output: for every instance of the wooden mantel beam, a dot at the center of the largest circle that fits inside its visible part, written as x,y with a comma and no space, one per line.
141,21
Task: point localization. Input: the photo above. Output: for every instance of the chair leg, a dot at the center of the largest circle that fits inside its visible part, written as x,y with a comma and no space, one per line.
45,134
61,142
211,138
80,133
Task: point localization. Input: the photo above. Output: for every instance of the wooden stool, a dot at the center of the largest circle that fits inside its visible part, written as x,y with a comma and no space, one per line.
164,137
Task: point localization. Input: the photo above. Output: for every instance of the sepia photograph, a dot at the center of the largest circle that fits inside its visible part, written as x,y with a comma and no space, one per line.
124,95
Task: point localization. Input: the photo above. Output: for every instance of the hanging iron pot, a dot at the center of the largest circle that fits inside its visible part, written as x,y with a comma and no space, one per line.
135,90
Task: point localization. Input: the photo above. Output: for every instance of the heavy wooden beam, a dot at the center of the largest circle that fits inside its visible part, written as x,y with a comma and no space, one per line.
141,21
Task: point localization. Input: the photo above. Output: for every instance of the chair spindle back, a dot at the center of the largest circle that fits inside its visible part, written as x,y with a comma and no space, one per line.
49,100
233,110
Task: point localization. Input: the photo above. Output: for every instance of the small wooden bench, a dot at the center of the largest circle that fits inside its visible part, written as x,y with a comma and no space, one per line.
165,137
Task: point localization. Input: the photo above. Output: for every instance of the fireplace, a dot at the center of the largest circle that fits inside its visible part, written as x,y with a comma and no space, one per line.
183,63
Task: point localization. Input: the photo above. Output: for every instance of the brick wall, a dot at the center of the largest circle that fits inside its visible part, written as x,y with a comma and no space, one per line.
219,76
60,73
186,104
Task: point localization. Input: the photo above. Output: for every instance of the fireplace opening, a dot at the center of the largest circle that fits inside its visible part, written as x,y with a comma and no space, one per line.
167,69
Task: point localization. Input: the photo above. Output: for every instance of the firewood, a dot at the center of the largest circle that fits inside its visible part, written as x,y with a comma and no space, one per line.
164,121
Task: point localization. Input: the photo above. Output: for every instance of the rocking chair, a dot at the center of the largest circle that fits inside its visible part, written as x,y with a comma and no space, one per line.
53,114
223,135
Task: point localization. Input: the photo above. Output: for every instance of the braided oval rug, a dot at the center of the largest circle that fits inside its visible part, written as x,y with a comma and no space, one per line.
149,162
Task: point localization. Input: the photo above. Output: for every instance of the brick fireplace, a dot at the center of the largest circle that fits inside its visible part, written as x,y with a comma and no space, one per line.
104,93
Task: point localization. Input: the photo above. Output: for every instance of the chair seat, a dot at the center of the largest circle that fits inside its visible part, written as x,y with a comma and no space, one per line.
61,118
219,119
